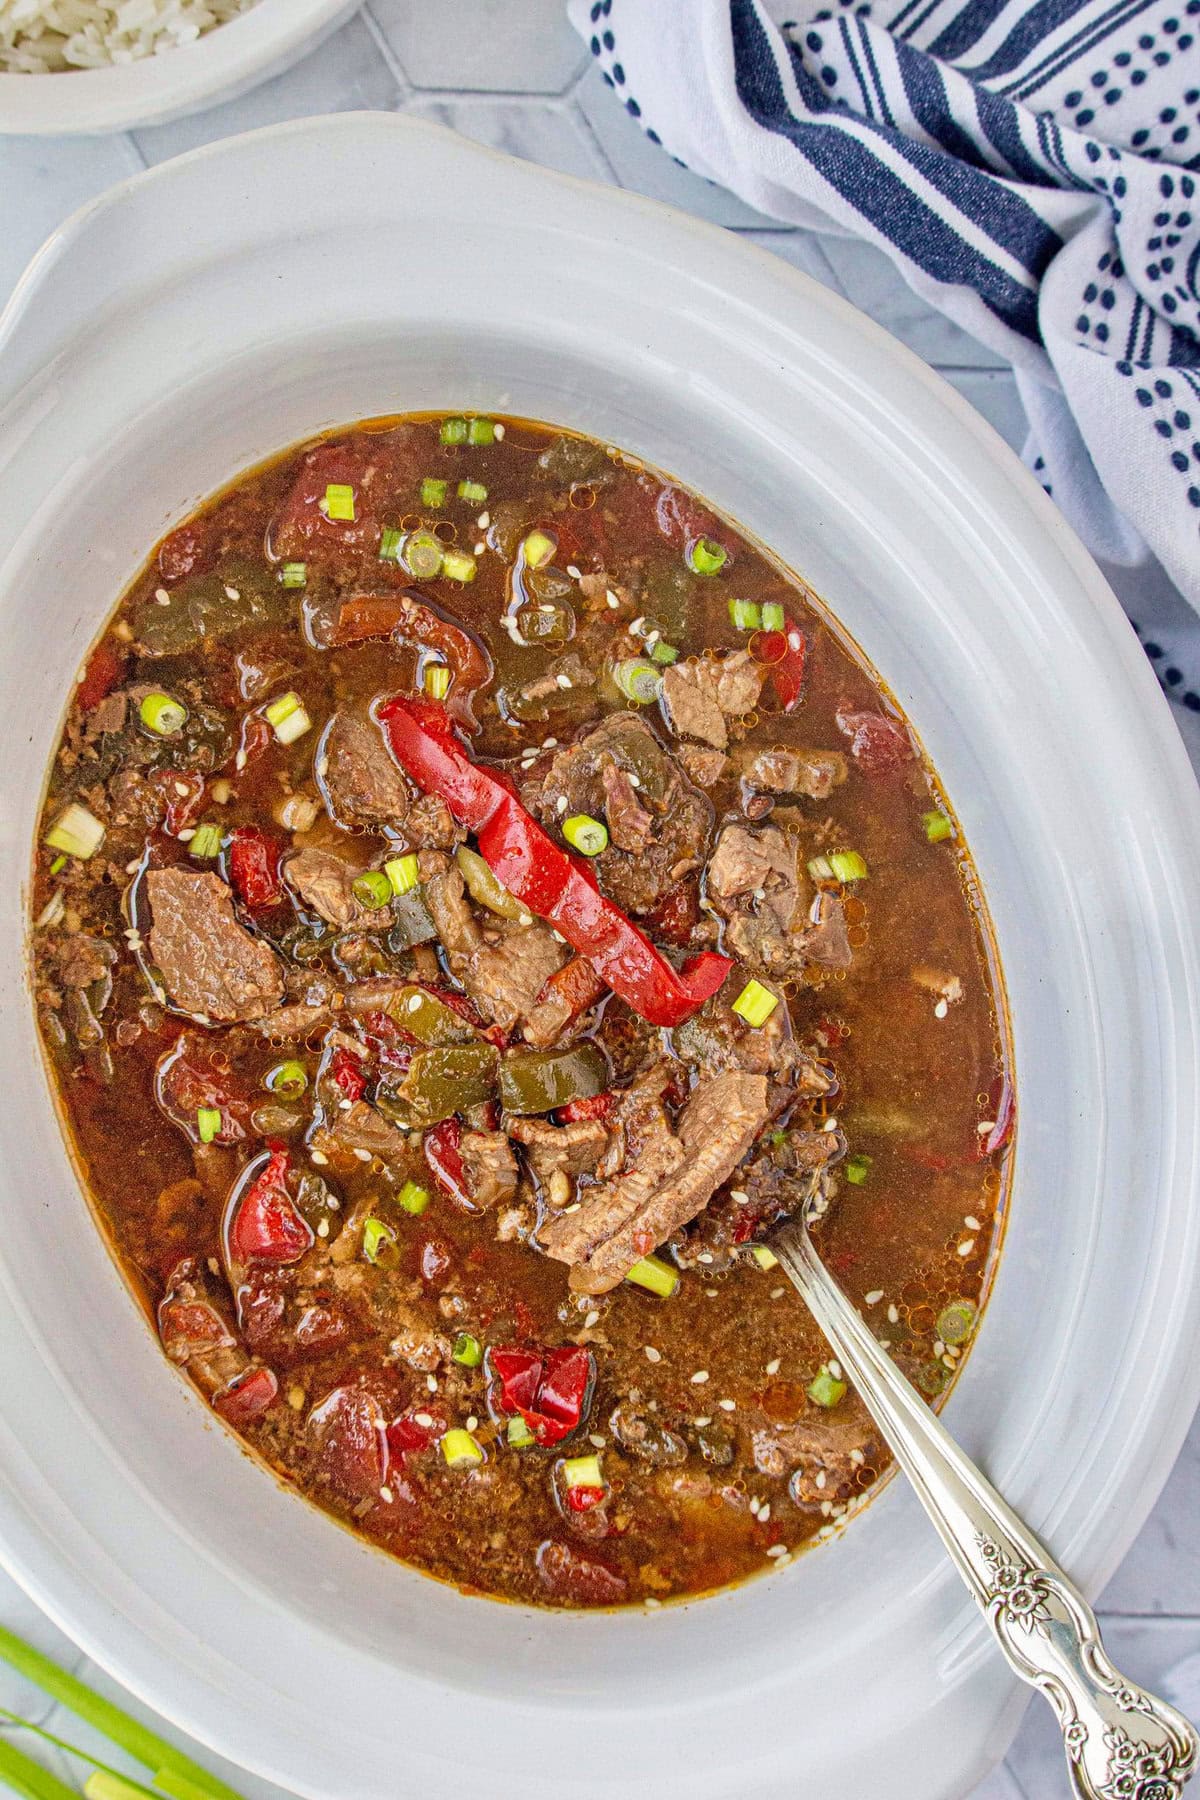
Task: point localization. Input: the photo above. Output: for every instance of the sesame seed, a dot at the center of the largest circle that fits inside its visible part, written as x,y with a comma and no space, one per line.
740,1197
985,1126
710,1293
777,1293
821,1478
550,743
240,760
754,1505
700,1377
857,1458
777,1550
727,1405
705,1256
635,780
827,1507
232,593
966,1247
525,919
560,805
472,1422
480,548
431,1383
563,681
484,520
319,1157
638,626
795,641
704,1419
593,1318
574,1206
572,571
596,1441
385,1493
131,868
829,1125
764,1513
652,1355
323,1229
835,1368
423,1419
885,1343
773,1366
162,596
651,1603
971,1223
941,1009
611,598
186,836
652,638
893,1313
296,1397
345,1105
499,431
874,1297
414,1003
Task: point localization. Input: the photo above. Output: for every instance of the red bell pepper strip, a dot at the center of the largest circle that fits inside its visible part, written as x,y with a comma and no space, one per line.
549,1388
787,671
247,1396
593,1106
347,1074
263,1224
544,877
254,860
441,1145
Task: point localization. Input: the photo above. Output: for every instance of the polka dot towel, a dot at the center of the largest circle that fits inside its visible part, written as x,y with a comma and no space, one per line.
1033,168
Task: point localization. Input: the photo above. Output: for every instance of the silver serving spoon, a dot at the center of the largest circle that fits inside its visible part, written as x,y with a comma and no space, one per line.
1121,1743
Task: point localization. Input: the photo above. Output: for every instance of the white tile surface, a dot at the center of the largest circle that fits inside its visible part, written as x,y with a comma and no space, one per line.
511,73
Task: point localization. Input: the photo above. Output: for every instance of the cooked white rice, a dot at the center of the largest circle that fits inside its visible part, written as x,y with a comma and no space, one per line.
41,37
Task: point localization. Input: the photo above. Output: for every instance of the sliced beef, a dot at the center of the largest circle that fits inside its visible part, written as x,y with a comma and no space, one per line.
210,965
325,884
549,1149
430,824
445,895
359,1128
195,1331
825,937
84,960
704,767
658,822
359,781
503,970
773,922
621,1221
772,1186
814,773
490,1168
700,697
717,1038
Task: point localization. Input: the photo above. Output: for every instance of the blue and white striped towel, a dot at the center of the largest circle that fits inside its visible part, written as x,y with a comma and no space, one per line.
1033,169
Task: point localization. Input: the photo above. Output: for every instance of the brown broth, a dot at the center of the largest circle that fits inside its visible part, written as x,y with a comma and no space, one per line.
752,1464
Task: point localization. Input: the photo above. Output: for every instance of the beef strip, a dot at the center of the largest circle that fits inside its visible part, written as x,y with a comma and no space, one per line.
814,773
210,965
559,1149
325,884
658,822
490,1168
195,1331
537,698
716,1038
621,1221
773,923
505,970
703,766
430,824
700,697
359,781
356,1128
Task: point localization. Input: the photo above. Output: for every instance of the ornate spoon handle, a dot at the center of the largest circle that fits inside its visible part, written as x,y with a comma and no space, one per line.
1121,1743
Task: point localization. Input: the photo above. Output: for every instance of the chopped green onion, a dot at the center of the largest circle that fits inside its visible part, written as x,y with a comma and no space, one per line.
821,869
467,1350
481,431
637,679
453,431
937,826
957,1322
60,862
656,1276
377,1239
773,616
287,1078
162,715
437,681
857,1169
372,888
745,615
339,502
403,872
433,492
390,540
474,491
30,1779
755,1003
825,1389
458,566
294,574
582,1471
460,1449
847,865
585,834
77,831
664,654
705,556
175,1773
422,555
413,1199
287,718
519,1433
208,1123
538,548
766,1259
206,842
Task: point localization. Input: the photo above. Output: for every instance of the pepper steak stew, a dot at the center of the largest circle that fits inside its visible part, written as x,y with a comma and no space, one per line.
479,895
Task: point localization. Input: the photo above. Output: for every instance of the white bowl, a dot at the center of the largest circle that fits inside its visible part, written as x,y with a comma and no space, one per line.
193,321
224,63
